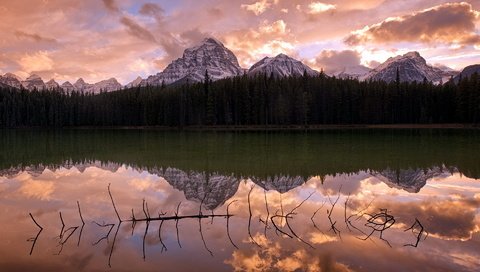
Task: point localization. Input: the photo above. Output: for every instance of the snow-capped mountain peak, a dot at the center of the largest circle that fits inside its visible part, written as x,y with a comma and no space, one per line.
52,85
211,55
11,80
33,82
410,66
281,66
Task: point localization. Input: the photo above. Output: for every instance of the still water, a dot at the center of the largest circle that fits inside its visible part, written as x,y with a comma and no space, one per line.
337,200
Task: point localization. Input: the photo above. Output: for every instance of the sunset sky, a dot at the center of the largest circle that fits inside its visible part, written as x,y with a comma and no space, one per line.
96,39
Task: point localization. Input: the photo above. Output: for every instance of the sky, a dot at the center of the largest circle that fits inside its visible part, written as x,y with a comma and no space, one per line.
100,39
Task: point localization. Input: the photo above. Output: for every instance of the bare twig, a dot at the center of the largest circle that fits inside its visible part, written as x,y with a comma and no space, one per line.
113,203
83,224
160,236
228,222
418,235
176,224
34,239
250,217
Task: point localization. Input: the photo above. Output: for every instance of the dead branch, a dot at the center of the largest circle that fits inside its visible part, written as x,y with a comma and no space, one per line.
313,216
228,222
277,229
63,226
292,212
329,213
160,236
34,239
113,203
200,216
176,224
380,222
105,237
250,217
144,238
83,224
418,235
113,245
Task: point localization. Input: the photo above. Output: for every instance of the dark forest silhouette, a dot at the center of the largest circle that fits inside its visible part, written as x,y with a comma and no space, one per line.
262,100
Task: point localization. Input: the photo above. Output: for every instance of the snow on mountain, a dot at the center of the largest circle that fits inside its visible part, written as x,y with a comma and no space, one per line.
11,80
33,82
354,72
210,55
52,85
67,87
467,72
281,66
410,180
80,85
281,184
134,83
411,67
108,85
214,189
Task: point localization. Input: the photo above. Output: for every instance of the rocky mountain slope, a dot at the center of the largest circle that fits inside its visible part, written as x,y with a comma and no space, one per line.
210,55
281,66
411,67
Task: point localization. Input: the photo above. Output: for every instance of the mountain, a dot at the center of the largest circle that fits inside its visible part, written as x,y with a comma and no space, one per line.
11,80
281,184
81,85
410,180
67,87
411,67
134,83
214,189
108,85
210,55
281,66
52,85
354,72
33,82
467,72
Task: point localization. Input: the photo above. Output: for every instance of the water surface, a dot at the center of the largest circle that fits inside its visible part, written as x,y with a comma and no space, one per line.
339,200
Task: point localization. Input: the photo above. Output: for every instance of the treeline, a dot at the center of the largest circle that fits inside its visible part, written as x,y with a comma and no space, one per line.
245,101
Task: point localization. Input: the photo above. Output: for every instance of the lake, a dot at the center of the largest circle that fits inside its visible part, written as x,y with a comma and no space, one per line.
333,200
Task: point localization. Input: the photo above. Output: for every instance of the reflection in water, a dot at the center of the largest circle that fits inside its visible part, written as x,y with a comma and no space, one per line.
195,212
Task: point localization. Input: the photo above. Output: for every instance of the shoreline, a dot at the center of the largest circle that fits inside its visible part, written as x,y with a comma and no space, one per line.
265,128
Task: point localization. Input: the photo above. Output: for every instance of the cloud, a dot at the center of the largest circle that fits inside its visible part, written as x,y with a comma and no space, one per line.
333,61
319,7
452,23
39,61
137,30
268,39
448,219
111,5
258,7
151,9
33,36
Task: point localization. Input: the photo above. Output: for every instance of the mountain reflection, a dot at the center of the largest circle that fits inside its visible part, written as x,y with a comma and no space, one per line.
215,189
330,201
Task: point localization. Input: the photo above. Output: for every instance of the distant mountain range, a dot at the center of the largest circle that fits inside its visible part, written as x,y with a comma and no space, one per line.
212,56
